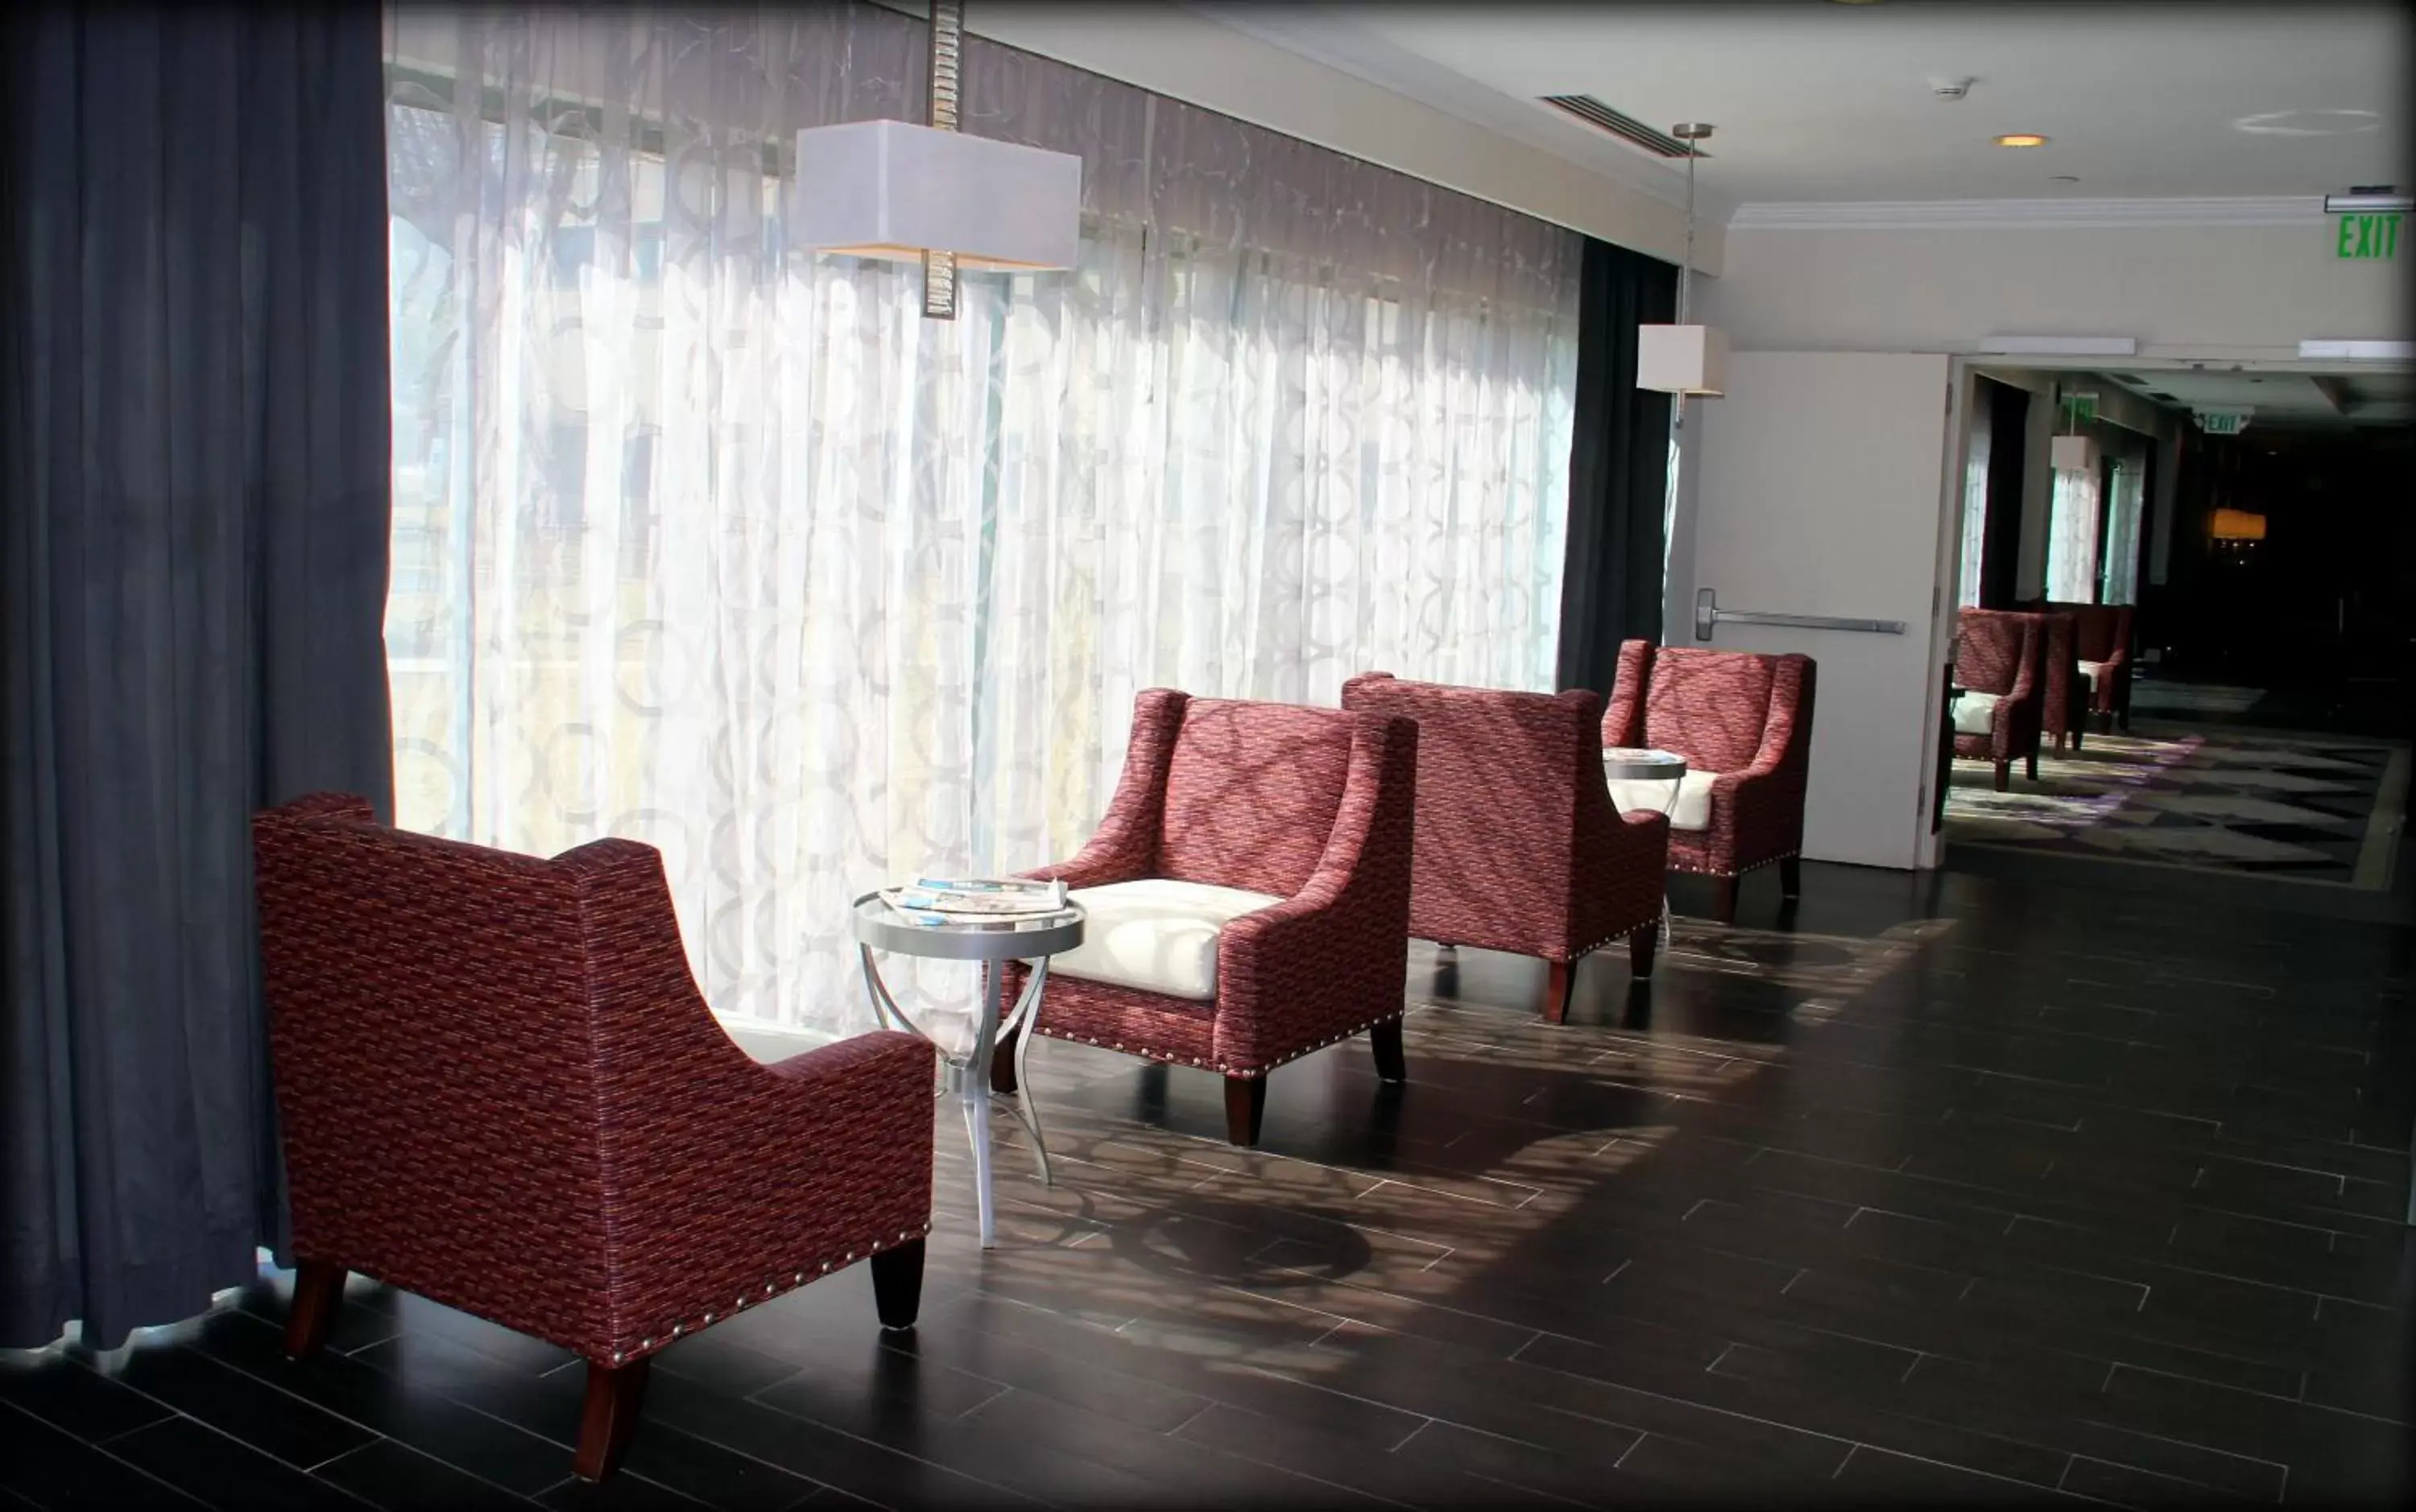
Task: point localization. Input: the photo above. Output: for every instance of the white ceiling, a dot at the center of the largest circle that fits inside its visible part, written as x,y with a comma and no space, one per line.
1825,102
2282,400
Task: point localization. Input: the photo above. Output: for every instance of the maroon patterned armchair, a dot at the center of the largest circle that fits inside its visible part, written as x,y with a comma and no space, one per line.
1518,846
499,1089
1997,669
1248,894
1744,722
2103,647
2063,693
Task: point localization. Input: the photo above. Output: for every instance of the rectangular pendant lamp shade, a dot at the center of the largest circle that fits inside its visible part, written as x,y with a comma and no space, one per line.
1682,359
2073,454
893,189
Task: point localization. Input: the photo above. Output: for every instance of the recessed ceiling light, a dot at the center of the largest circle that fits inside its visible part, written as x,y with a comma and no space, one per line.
2309,122
2021,139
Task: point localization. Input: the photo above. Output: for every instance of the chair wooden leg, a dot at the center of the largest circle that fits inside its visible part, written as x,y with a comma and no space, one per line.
1791,876
898,1284
1641,942
1246,1107
614,1392
2030,766
1558,982
1002,1064
1724,895
1385,1039
2004,775
318,1291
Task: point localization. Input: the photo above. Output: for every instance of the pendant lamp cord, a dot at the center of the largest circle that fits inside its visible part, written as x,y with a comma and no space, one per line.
1686,268
939,112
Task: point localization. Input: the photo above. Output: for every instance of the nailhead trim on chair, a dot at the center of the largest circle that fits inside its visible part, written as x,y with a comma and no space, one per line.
1676,865
1665,691
1339,822
771,1289
592,1220
1512,782
1146,1053
1617,934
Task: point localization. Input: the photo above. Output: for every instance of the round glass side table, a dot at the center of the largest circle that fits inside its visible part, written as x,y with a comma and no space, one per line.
1630,763
993,943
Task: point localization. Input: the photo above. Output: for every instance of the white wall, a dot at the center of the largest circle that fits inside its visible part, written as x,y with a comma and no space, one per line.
2188,292
2205,292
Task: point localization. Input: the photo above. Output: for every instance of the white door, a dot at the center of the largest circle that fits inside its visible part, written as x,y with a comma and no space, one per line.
1819,489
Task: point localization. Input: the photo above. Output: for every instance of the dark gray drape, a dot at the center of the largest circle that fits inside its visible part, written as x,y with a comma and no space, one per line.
193,522
1618,468
2000,526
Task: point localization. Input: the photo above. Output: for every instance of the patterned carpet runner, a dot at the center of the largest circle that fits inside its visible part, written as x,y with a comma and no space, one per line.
2311,808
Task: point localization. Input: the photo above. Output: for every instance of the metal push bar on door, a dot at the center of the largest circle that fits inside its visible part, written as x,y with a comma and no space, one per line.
1708,613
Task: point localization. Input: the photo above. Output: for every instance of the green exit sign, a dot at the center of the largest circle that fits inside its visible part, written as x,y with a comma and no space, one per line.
2372,237
2223,422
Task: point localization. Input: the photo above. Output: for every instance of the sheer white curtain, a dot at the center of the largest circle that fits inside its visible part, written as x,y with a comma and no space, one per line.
2073,526
1975,499
2123,514
714,543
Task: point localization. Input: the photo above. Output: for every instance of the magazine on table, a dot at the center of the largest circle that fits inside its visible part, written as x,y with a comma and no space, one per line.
986,901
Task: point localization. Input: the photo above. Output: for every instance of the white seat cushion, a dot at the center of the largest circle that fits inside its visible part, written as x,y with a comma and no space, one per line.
1157,936
1975,713
2091,671
1690,810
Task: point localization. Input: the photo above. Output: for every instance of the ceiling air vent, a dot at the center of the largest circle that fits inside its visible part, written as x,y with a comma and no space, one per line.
1594,112
2159,393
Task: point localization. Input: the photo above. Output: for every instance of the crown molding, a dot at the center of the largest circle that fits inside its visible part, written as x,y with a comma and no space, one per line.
2029,215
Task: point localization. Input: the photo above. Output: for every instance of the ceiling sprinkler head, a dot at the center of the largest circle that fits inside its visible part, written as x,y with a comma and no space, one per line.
1951,88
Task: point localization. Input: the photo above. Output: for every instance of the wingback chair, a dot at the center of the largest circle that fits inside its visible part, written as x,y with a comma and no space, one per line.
498,1088
2063,691
1518,846
2102,646
1997,669
1248,894
1744,722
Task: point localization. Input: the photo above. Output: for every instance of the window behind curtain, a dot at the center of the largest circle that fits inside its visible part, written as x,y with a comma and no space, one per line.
719,546
1975,498
2121,571
2073,530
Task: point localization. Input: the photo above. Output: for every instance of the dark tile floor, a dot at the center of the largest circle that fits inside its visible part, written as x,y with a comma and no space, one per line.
1938,1189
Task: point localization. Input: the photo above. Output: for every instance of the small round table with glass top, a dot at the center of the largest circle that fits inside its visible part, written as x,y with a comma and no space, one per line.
993,944
1627,763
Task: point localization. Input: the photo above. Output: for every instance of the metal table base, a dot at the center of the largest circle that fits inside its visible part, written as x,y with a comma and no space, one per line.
966,1075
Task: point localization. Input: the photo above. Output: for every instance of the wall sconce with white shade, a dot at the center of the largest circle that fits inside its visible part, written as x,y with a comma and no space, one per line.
894,189
1683,359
